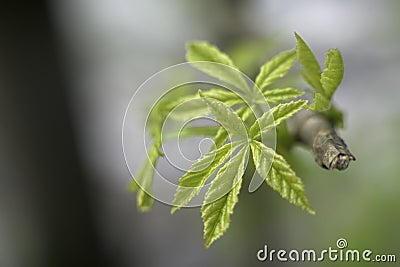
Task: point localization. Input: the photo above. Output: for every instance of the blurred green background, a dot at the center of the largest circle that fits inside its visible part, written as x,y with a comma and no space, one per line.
66,203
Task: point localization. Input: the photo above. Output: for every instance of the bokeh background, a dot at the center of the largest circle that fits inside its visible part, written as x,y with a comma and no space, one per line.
68,70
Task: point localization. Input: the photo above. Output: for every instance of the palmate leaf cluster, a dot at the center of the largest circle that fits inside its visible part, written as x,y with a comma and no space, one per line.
324,83
227,160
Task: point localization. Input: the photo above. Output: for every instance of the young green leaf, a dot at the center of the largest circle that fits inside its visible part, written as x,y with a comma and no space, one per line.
280,177
198,131
156,120
191,131
320,103
224,95
189,109
145,201
191,182
284,111
133,187
170,105
226,117
278,95
245,113
275,116
190,106
203,51
220,137
275,68
145,179
216,210
312,70
332,75
330,80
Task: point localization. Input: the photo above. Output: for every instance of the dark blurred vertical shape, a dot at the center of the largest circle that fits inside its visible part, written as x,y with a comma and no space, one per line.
235,28
41,171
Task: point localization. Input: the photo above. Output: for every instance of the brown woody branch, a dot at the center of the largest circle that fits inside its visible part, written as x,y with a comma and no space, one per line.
316,131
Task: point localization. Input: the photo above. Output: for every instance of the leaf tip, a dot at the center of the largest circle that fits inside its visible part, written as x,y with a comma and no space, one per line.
194,43
174,209
209,240
207,244
298,37
144,208
310,210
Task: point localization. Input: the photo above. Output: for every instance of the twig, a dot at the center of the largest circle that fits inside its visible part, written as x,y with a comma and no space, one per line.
316,131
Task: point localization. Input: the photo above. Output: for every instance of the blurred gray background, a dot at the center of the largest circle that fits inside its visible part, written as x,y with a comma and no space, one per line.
64,196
